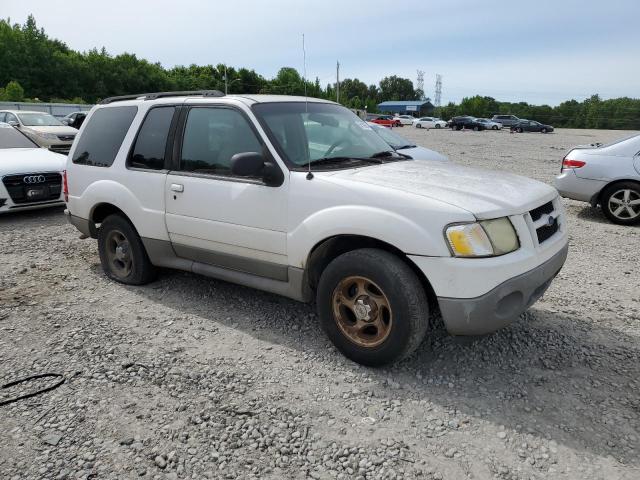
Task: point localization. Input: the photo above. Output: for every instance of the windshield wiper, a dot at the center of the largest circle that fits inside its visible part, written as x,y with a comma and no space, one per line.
405,146
330,160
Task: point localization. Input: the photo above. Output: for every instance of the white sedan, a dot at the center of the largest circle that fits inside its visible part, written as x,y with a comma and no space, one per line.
605,175
429,122
31,176
404,119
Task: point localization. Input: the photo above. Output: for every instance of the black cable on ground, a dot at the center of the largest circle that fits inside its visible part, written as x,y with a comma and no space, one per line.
32,394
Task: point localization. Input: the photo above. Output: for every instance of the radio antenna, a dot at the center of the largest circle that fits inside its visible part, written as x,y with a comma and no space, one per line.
306,103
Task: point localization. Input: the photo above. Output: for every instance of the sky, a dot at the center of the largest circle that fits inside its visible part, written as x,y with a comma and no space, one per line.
538,51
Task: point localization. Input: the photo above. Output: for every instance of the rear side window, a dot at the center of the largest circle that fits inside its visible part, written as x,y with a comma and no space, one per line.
103,135
151,144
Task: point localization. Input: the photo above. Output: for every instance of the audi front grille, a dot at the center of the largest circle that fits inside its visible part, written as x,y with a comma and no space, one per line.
33,187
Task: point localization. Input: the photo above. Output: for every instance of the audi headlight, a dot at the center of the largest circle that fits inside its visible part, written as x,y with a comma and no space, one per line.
486,238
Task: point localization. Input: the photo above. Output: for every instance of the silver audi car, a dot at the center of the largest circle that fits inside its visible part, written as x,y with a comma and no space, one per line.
606,175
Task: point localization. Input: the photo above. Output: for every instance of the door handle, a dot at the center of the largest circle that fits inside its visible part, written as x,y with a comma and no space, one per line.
176,187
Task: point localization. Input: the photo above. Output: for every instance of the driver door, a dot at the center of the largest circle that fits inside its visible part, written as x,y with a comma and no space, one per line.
215,217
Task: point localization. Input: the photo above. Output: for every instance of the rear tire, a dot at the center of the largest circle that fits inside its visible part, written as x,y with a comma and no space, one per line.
619,205
519,130
437,126
495,127
544,130
122,254
372,306
476,128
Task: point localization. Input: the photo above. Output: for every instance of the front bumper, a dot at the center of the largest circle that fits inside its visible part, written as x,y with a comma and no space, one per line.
501,305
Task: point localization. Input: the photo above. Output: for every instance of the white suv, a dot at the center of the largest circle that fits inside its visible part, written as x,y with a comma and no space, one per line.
302,198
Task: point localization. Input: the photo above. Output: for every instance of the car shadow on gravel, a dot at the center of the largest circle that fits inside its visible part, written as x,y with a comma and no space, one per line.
51,215
552,376
594,214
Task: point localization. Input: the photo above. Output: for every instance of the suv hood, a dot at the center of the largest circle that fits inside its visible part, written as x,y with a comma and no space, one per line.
484,193
30,160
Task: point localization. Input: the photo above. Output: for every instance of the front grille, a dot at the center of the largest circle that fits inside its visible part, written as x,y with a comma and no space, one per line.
536,213
546,221
66,138
64,149
547,231
33,187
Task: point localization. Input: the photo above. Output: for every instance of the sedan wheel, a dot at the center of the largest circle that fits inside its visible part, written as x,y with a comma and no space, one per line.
437,125
418,125
622,203
544,130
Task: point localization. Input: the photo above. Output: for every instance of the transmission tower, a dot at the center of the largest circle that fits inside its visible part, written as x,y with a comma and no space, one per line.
420,83
438,96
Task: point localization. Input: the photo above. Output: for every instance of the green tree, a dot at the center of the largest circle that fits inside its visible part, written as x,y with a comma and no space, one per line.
14,92
396,88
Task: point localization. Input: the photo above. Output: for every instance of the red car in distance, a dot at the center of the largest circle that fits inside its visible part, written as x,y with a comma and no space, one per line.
386,120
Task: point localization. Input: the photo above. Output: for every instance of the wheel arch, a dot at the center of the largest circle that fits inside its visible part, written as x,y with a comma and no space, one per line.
326,250
101,211
598,197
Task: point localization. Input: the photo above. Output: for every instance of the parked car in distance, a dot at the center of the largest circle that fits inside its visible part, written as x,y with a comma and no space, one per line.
406,147
429,122
472,123
69,119
316,206
43,128
605,175
531,126
490,124
31,177
404,119
505,120
386,120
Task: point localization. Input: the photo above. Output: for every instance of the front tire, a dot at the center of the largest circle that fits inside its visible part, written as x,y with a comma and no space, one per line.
122,254
495,127
544,130
372,306
437,126
621,203
418,125
519,130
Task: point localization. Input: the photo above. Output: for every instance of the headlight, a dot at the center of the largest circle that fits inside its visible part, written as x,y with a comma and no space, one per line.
48,136
486,238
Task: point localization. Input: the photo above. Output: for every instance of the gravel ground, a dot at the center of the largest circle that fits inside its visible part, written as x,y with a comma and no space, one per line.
194,378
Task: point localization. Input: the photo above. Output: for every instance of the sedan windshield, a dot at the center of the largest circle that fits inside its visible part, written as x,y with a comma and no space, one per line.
11,138
39,120
312,132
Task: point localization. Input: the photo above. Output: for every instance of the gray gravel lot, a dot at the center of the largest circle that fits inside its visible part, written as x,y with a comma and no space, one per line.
194,378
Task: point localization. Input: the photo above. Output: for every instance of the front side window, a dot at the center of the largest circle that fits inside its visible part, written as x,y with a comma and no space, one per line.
308,132
37,119
149,149
11,118
102,137
212,136
12,138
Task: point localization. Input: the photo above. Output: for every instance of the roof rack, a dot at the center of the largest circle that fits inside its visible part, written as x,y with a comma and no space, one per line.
153,96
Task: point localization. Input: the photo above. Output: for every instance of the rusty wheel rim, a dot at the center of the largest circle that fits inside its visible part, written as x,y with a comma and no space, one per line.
362,311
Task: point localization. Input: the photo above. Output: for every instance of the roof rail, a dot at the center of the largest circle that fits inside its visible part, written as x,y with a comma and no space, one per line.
153,96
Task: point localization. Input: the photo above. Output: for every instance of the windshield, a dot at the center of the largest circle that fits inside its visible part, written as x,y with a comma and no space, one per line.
11,138
307,132
393,139
38,120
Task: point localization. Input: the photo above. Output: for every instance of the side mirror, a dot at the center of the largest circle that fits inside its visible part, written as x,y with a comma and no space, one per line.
13,123
247,164
253,164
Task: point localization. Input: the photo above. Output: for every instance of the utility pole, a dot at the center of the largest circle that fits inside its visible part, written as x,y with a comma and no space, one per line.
226,84
338,82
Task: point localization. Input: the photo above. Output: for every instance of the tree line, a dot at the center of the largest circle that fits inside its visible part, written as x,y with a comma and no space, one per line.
34,67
